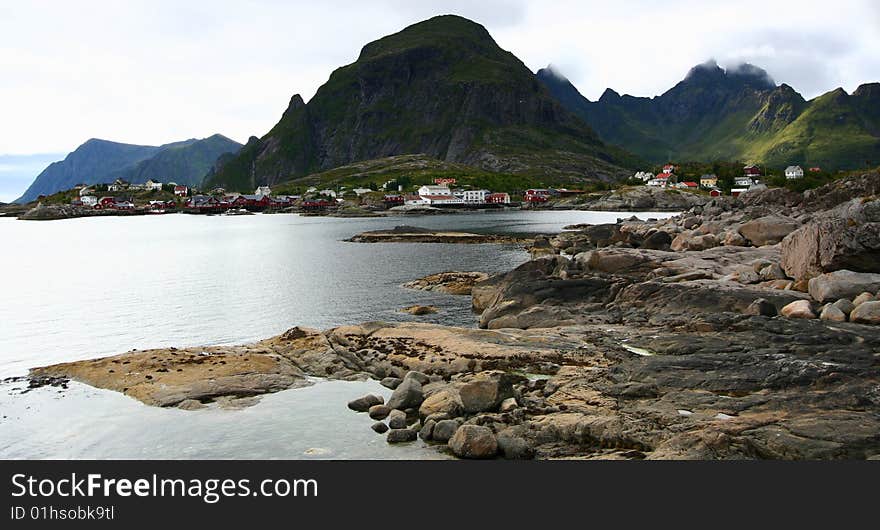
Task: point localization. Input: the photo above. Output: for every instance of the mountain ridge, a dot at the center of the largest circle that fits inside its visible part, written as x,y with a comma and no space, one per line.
734,114
442,88
97,161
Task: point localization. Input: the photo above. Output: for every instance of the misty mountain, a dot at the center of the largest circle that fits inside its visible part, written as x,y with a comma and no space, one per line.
734,114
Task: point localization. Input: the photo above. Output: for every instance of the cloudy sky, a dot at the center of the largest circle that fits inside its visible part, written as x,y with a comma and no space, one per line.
155,71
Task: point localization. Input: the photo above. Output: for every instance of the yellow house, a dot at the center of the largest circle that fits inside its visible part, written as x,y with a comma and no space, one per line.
708,181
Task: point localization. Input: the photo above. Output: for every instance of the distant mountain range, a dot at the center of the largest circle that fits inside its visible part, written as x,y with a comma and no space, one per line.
442,88
103,161
735,114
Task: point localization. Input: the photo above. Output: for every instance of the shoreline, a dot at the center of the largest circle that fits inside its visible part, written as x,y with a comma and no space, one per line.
693,337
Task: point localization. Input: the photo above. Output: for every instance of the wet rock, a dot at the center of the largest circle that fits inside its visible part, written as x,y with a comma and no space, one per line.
379,412
445,429
190,404
866,313
513,446
473,441
842,284
363,404
407,395
391,382
798,309
379,427
396,436
761,307
427,429
832,313
397,419
419,310
457,283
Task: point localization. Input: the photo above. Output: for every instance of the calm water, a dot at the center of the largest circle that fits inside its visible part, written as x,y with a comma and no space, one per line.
84,288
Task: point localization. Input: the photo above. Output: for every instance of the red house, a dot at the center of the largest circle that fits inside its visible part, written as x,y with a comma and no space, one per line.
715,193
114,203
252,201
752,171
392,200
669,169
181,191
316,205
537,195
815,169
498,198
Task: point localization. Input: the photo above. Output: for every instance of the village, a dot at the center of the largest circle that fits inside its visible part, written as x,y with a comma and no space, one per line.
441,195
751,179
172,197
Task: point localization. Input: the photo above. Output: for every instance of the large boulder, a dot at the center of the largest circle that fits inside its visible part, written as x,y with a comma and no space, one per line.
473,441
363,404
447,401
407,395
798,309
847,237
689,240
768,230
866,313
444,430
486,391
835,285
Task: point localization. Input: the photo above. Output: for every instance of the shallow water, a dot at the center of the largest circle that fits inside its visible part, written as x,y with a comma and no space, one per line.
84,288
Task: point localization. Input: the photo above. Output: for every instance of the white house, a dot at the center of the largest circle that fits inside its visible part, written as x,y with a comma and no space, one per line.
328,193
85,191
88,200
794,172
361,191
153,185
475,196
118,185
644,176
437,195
263,190
743,182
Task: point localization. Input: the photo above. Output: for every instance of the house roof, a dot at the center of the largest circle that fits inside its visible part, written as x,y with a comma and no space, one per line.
793,168
690,184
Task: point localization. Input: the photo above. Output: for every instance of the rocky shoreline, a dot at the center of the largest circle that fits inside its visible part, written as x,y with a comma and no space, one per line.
742,329
412,234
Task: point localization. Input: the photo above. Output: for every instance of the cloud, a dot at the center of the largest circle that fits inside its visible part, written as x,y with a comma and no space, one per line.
154,71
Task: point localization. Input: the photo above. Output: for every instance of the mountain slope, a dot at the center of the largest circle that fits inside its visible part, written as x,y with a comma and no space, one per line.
184,162
442,88
734,114
86,165
98,161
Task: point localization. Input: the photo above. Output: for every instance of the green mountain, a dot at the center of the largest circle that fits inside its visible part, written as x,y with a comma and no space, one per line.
184,162
734,114
103,161
442,88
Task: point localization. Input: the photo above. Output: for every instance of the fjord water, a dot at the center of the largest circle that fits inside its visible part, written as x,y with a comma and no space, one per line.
84,288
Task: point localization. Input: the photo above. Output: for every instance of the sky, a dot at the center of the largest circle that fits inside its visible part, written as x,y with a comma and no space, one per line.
156,71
